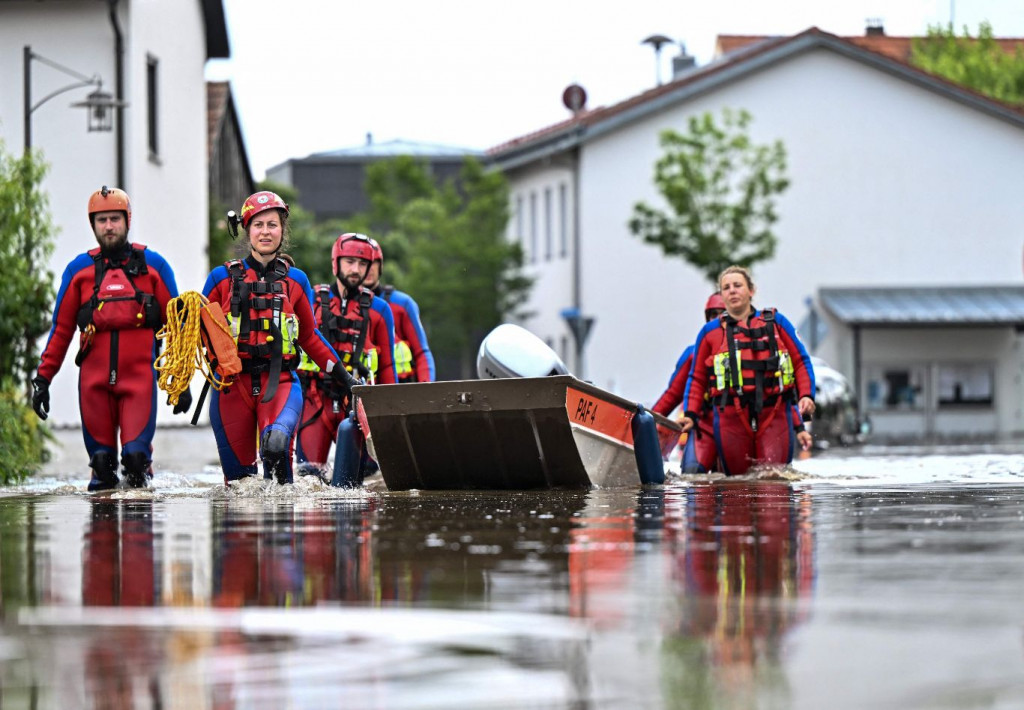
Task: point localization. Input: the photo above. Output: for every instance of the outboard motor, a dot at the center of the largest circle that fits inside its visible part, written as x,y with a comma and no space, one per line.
511,351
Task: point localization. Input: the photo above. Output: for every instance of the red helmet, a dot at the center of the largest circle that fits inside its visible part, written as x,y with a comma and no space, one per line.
351,244
378,253
715,303
110,199
261,202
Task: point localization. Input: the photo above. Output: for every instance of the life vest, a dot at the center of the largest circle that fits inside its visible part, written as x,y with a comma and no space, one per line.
263,322
116,302
346,332
752,367
403,353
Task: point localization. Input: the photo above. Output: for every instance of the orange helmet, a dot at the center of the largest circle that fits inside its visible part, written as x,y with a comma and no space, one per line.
110,199
350,244
261,202
715,303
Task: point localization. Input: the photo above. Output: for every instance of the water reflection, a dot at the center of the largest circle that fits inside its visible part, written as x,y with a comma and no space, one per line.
675,593
288,556
743,566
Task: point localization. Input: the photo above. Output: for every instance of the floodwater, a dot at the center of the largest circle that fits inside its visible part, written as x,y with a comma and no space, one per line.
865,578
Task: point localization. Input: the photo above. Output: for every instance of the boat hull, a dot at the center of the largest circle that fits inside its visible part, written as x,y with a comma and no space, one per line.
522,433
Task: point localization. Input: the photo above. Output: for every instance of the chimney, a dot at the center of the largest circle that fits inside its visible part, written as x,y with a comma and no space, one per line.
682,62
369,138
875,28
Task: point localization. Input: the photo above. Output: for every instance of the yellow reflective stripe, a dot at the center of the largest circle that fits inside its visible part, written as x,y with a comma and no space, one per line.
290,331
369,360
785,373
403,358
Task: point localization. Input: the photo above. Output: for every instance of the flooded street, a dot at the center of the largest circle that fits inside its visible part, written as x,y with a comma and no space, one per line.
881,578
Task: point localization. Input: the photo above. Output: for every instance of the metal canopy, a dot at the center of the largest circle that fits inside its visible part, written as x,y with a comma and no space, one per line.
927,305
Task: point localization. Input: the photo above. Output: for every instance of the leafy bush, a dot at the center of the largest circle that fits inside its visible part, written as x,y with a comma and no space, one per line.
23,437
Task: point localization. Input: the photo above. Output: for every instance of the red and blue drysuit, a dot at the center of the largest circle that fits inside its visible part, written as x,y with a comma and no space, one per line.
411,339
699,453
270,311
360,328
752,373
118,314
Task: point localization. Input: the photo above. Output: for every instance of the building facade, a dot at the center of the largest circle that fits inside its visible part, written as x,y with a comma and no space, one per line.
897,179
157,151
331,184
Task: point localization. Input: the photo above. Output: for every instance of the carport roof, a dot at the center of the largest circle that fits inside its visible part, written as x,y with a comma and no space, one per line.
926,305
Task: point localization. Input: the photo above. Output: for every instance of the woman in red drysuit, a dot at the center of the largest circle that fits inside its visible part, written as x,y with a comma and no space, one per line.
753,369
269,307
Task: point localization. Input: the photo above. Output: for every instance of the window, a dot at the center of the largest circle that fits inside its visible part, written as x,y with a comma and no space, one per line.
563,220
519,219
547,224
965,384
533,227
896,388
151,107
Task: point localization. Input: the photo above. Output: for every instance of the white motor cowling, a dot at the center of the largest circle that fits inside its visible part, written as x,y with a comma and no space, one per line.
511,351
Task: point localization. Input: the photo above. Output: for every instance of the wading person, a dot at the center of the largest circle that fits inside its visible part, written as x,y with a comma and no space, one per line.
116,295
699,453
360,328
753,370
269,309
413,359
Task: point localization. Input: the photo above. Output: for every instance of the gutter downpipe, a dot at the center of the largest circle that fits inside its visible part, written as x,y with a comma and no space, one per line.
576,268
119,90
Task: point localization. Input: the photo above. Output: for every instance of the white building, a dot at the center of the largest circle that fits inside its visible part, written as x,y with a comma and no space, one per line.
903,185
156,53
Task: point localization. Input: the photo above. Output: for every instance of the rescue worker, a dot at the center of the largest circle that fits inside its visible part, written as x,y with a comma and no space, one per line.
116,295
413,359
360,328
699,454
269,308
753,368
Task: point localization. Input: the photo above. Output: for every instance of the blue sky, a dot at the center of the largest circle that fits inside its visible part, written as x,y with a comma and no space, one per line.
320,75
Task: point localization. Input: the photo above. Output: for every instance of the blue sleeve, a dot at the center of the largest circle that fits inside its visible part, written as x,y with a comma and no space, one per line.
216,276
687,353
708,328
381,306
413,309
157,262
804,357
77,264
299,276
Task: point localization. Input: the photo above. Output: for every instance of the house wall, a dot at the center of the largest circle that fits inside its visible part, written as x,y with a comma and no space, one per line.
169,195
542,204
929,351
891,185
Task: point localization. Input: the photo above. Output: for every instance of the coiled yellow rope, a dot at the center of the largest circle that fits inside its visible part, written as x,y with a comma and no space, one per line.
183,346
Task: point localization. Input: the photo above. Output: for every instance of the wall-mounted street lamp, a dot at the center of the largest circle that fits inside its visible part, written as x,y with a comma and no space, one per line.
99,104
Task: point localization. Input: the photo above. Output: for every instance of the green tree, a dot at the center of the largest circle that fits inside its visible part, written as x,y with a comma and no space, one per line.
979,63
26,242
463,272
720,187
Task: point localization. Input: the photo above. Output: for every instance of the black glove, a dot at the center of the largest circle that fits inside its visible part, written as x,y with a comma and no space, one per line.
184,402
41,396
343,378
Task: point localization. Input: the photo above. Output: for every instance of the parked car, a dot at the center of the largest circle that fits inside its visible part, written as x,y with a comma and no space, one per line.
837,417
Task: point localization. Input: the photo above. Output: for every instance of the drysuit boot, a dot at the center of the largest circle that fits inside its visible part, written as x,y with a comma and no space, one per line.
137,469
275,456
104,471
310,469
